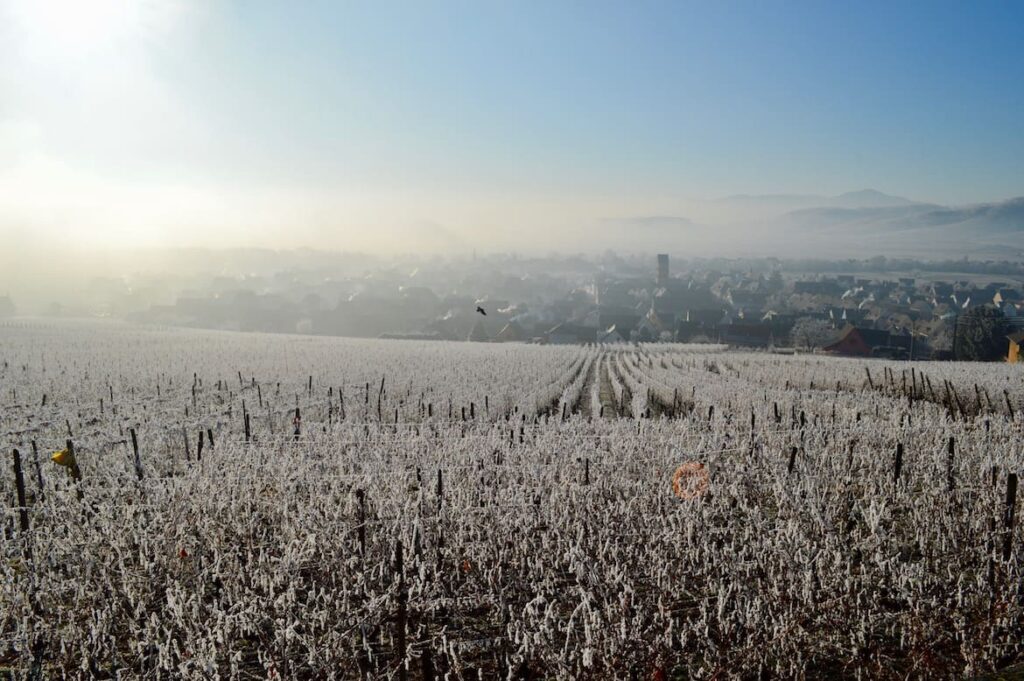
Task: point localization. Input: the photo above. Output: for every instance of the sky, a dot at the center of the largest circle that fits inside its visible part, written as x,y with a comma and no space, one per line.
446,125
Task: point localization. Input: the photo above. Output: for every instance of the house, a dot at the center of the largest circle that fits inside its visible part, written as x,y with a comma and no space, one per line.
748,335
686,331
706,317
1005,295
698,323
479,333
1012,312
1013,352
857,341
511,333
649,329
613,294
610,335
781,323
941,289
591,320
624,319
818,288
672,301
568,333
840,316
746,300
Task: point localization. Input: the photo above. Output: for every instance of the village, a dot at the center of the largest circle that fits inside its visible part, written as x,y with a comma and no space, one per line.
870,308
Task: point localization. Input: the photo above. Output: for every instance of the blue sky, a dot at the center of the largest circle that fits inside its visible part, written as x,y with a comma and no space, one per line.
291,121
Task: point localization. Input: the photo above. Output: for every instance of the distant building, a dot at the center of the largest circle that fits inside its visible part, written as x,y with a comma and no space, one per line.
705,317
1006,295
610,336
747,300
613,294
748,335
648,330
7,308
672,302
479,333
662,269
698,324
841,316
818,288
591,320
857,341
624,319
511,333
568,333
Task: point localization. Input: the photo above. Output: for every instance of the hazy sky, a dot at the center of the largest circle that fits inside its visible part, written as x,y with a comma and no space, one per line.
369,125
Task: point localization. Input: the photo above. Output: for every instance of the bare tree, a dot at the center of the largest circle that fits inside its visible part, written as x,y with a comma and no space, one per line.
942,338
809,333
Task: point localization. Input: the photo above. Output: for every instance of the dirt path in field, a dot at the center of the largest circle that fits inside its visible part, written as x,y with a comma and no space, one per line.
588,386
657,409
611,409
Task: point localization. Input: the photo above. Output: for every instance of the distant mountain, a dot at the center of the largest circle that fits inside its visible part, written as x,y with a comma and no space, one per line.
657,222
779,199
1000,217
898,217
861,222
979,221
768,206
869,198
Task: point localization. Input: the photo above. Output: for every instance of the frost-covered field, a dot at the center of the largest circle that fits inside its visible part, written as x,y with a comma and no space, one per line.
464,511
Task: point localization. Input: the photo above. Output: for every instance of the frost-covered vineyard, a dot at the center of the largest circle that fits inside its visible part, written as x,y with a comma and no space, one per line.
474,511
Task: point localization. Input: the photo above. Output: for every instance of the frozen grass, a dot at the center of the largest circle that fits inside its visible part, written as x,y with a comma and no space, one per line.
533,545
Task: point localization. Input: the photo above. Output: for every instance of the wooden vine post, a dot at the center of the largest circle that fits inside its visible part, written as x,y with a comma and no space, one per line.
897,468
380,397
188,450
76,472
400,620
949,463
19,482
135,450
1008,515
361,518
39,471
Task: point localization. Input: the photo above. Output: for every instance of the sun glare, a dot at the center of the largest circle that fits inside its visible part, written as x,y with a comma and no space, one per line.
77,28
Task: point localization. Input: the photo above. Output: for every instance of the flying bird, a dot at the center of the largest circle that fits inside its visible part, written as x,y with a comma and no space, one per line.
481,310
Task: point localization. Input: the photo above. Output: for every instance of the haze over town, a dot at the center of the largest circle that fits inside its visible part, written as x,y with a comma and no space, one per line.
159,158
